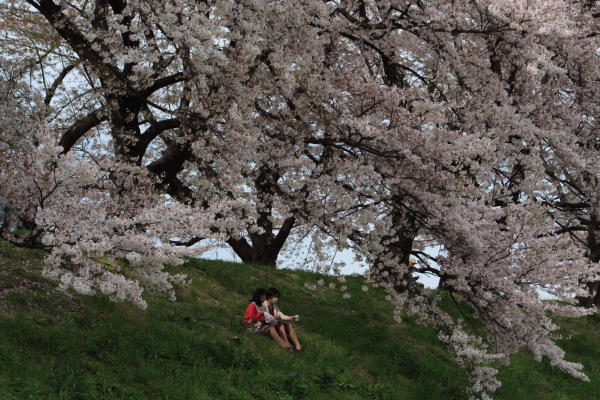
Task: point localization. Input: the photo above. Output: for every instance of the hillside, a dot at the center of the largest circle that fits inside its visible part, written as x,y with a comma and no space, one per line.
76,347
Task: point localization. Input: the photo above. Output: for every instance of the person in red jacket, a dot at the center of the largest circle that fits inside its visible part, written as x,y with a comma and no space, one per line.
262,322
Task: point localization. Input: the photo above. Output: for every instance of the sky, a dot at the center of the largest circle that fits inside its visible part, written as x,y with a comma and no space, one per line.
346,257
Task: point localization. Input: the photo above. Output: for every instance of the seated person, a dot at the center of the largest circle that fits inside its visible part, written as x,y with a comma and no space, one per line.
260,322
284,326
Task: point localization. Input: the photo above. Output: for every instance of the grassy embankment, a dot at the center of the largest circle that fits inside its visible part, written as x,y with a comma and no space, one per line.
75,347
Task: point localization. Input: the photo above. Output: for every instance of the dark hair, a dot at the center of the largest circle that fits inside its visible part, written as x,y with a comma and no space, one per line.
256,296
272,292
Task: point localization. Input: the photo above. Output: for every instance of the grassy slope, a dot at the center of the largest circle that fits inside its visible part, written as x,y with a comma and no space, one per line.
74,347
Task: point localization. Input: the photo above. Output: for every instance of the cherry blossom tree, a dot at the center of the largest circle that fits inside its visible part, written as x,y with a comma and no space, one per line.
467,123
493,172
73,208
161,149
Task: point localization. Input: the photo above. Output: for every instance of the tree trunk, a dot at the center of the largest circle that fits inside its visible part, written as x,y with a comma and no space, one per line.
264,248
594,256
261,253
594,300
393,266
398,273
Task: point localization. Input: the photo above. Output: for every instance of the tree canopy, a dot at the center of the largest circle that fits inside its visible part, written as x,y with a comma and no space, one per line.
473,125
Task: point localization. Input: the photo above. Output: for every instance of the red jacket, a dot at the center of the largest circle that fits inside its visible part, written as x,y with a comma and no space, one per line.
252,313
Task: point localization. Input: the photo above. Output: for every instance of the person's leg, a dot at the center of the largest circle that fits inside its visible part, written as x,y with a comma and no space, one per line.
281,330
292,332
275,336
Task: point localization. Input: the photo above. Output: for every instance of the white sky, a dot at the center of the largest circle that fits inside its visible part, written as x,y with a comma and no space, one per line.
346,257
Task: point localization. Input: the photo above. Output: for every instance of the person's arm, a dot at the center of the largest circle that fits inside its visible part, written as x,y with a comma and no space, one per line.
282,316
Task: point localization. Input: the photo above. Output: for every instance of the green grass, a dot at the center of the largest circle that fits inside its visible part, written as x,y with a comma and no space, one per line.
76,347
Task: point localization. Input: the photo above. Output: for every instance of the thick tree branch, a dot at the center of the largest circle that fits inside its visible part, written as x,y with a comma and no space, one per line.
59,79
187,243
68,31
154,131
163,82
166,169
283,233
79,129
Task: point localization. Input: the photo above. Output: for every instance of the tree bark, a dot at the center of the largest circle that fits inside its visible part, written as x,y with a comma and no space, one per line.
593,242
265,245
264,248
398,250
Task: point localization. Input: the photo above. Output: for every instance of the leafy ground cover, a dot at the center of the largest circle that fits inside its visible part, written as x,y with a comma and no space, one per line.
78,347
